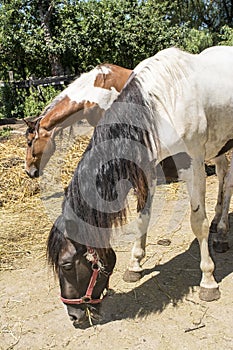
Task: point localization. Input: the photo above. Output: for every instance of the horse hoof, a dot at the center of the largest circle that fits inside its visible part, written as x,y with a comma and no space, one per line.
132,276
220,247
209,294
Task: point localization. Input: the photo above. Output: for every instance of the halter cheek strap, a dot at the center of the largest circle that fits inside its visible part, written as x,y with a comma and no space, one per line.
87,298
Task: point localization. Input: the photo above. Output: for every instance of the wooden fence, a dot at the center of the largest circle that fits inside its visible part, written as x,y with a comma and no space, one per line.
58,80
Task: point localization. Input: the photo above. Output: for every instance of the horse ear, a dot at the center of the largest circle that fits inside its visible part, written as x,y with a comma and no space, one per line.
29,123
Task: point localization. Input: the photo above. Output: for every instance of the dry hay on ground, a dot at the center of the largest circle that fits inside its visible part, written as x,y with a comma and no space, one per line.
24,230
72,158
23,219
15,184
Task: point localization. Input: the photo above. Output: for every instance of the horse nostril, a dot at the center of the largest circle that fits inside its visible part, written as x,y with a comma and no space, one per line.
36,173
32,173
73,317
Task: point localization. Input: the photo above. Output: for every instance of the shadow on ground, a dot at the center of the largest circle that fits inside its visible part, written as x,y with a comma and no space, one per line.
169,284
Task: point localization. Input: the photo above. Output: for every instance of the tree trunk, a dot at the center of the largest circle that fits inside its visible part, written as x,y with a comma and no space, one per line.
54,59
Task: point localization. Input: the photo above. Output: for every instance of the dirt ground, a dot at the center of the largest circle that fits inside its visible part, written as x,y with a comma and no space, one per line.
162,311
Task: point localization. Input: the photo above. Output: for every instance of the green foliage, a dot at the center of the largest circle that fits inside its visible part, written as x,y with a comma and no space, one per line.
19,103
5,132
78,35
197,40
38,100
12,102
226,35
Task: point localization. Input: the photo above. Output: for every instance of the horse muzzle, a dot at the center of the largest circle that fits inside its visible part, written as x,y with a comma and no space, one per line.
85,317
33,172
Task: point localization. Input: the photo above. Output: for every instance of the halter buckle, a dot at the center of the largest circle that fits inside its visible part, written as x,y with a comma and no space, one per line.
86,299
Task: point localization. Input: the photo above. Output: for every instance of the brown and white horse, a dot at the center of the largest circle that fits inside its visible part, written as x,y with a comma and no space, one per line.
86,98
176,102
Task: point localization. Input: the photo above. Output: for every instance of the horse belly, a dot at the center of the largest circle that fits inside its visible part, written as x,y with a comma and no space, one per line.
216,89
220,131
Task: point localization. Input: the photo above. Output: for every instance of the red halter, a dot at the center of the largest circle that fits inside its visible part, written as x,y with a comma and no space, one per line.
87,298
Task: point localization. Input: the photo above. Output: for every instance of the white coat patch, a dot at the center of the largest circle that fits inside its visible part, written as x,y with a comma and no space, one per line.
83,89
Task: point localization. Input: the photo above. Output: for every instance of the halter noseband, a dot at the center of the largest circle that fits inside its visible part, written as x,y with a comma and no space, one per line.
92,256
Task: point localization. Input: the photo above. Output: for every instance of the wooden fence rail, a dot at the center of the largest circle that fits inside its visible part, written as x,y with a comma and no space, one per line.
58,80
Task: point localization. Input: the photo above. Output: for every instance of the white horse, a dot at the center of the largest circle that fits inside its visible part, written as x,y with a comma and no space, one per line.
175,102
192,96
220,225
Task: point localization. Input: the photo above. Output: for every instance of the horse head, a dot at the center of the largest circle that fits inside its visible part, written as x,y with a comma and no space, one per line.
40,147
87,97
83,273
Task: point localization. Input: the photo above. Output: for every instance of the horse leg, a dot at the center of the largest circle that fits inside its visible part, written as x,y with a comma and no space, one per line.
197,185
220,242
221,171
134,270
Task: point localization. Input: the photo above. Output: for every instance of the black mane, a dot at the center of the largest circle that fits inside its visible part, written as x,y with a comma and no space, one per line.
124,131
56,242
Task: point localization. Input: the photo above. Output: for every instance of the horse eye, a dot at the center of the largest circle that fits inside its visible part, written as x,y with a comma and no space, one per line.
67,266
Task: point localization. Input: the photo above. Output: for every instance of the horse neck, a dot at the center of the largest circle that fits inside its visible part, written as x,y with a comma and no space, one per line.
116,77
60,112
69,107
65,110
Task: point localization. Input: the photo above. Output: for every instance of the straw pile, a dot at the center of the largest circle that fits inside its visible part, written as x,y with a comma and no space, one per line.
72,158
15,184
24,223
